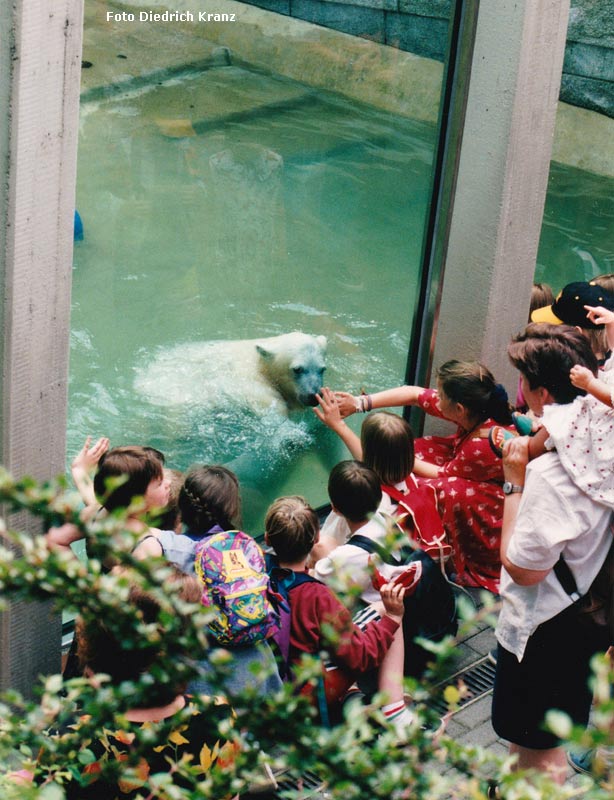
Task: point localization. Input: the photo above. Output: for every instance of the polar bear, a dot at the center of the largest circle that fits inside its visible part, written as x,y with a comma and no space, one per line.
278,373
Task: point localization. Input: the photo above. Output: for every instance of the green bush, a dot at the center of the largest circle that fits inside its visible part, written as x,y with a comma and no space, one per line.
355,760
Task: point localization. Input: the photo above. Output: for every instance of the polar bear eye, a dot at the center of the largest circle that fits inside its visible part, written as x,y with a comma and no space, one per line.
298,370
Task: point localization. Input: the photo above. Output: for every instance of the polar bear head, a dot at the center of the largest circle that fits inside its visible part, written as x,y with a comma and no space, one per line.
293,364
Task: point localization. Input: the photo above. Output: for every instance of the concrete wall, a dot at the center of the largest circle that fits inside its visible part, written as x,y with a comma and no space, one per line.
421,27
385,77
40,46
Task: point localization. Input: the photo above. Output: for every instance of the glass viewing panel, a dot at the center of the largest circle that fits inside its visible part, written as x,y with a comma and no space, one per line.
241,178
577,239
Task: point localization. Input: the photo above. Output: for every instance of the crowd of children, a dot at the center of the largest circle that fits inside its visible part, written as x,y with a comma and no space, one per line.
409,519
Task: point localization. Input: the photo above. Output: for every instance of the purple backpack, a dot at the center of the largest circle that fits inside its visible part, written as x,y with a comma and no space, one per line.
235,582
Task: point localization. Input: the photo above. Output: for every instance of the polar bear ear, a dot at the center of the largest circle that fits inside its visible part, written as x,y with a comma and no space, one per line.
321,342
267,355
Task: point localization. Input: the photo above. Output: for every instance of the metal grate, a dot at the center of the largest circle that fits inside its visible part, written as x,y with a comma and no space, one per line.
309,785
478,679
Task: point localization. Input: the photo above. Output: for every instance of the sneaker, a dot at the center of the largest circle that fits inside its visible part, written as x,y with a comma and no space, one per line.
593,762
497,437
582,761
523,424
492,655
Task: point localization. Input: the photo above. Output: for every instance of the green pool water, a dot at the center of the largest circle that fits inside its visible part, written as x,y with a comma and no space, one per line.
293,210
231,204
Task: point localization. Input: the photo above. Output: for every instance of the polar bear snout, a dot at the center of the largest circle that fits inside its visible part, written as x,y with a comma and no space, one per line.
308,383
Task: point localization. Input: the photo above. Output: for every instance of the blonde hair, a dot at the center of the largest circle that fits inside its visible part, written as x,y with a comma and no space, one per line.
291,526
387,446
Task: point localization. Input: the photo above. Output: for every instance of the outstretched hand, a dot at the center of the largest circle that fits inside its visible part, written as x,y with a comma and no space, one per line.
88,457
599,315
347,403
328,409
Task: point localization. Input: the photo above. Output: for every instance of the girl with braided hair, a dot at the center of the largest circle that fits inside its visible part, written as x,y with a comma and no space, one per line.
209,502
463,468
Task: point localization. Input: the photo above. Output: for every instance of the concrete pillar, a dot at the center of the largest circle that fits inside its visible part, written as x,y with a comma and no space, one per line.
40,56
502,180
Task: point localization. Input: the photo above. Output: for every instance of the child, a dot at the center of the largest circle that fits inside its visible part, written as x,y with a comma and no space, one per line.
209,502
582,432
355,494
141,470
292,529
386,445
186,730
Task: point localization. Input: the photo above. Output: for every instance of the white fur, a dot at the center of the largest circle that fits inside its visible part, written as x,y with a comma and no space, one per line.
279,372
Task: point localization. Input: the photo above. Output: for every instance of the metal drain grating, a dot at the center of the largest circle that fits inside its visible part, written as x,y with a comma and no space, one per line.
309,785
478,679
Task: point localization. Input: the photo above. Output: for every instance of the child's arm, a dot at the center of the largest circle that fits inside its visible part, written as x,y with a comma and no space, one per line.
400,396
583,378
324,546
61,538
602,316
329,413
423,469
83,466
537,443
148,547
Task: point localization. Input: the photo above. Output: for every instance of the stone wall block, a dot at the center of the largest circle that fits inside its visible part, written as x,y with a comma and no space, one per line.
423,35
591,20
357,21
279,6
427,8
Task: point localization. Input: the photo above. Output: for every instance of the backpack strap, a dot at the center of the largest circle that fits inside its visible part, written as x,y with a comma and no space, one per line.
367,544
566,579
374,547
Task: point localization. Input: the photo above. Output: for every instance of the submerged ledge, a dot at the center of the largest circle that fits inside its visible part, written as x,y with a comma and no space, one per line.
386,78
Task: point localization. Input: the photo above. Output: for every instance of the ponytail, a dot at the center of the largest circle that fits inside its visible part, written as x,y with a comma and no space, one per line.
473,386
499,405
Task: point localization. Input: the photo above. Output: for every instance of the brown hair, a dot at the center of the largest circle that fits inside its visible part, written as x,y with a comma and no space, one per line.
170,520
545,354
473,386
291,527
354,490
139,466
210,496
541,295
387,446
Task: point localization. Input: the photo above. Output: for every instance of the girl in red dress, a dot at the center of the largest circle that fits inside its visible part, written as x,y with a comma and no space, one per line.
463,468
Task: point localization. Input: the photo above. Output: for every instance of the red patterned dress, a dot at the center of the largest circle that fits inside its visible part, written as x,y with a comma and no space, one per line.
469,496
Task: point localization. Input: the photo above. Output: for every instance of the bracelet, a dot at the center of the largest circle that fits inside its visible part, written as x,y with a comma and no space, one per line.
364,403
